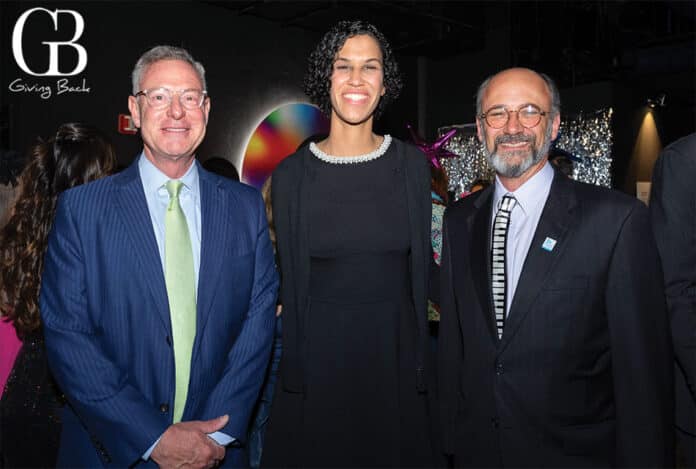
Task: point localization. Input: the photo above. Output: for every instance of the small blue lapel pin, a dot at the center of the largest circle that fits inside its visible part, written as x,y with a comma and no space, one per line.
549,244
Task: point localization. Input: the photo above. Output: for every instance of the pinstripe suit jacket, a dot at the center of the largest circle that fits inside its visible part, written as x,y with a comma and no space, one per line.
106,316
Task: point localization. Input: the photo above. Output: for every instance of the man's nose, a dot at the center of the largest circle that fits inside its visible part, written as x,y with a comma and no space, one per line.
175,109
513,125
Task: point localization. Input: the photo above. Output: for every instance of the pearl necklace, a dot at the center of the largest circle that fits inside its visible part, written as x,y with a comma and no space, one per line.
373,155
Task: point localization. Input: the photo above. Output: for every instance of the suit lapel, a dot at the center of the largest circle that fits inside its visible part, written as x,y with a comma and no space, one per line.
479,255
555,220
131,207
214,238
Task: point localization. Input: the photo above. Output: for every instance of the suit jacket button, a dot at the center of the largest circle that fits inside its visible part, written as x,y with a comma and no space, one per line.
169,341
495,421
498,368
164,408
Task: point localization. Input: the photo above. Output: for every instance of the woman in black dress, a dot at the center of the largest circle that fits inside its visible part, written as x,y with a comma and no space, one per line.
31,402
352,215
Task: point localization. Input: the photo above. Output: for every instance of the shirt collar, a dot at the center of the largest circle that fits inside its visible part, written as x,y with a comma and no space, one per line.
530,194
154,179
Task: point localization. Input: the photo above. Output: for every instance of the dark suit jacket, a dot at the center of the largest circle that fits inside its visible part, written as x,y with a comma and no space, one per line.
582,375
673,213
291,182
106,316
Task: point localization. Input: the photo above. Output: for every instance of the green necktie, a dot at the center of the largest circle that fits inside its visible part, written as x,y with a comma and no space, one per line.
181,291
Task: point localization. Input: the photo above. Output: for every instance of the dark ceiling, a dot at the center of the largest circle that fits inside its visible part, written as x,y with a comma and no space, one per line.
413,28
580,41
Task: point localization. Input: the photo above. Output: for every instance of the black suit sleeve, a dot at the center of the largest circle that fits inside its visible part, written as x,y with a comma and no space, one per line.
641,347
449,347
673,213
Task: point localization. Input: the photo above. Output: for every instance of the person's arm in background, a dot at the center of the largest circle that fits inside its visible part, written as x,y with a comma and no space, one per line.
673,214
641,346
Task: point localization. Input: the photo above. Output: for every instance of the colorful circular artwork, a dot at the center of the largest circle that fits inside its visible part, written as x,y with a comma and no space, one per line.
277,136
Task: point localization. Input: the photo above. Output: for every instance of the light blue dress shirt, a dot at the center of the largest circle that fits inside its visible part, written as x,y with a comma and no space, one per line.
524,218
157,199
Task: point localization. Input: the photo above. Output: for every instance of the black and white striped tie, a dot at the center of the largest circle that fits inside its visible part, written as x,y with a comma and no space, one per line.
498,262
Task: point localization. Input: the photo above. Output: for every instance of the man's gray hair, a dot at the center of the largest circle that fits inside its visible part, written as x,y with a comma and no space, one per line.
553,91
158,53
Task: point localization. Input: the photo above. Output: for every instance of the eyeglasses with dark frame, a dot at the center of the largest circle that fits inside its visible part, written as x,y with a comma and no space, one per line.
160,98
528,115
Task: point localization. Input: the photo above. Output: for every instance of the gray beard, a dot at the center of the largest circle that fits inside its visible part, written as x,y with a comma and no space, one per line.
506,168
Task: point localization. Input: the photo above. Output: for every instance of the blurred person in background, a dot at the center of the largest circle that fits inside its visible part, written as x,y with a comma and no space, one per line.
222,167
673,216
30,420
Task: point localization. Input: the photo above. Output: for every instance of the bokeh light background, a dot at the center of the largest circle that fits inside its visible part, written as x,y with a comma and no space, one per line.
277,136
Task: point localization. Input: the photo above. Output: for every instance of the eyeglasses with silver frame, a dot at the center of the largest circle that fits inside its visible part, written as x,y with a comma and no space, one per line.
528,115
160,98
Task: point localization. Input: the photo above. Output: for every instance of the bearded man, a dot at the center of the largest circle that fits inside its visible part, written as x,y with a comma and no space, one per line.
555,347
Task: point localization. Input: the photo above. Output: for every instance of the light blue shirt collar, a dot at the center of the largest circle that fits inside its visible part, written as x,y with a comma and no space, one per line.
533,193
153,179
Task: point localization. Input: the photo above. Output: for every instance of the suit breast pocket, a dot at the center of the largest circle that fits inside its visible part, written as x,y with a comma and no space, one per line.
562,305
566,282
564,293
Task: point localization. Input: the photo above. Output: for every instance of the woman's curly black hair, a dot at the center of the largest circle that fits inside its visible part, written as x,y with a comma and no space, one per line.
317,81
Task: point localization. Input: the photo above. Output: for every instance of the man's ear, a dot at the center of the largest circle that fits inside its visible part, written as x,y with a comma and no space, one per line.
556,125
206,108
134,110
479,130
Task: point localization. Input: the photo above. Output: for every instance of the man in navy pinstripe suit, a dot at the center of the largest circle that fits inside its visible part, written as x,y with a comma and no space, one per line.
106,306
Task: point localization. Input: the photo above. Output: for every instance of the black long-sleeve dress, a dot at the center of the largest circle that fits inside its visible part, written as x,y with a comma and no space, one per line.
361,406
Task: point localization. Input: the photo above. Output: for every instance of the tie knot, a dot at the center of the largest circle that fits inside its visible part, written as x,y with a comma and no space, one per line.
508,202
174,188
